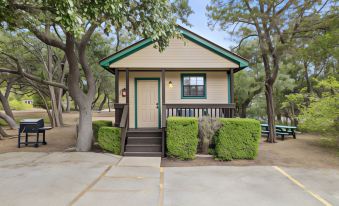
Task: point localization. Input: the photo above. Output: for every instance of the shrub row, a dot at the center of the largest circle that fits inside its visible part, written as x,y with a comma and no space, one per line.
109,139
96,125
182,137
236,139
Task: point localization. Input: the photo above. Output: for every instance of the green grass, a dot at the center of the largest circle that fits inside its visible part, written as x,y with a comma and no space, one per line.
20,116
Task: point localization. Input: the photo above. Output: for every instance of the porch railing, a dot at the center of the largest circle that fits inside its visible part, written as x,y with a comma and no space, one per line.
199,110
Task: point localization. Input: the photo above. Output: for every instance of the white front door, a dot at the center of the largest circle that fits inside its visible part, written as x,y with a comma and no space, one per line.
147,103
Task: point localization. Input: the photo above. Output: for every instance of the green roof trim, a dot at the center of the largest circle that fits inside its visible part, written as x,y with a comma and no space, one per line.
216,49
188,35
125,52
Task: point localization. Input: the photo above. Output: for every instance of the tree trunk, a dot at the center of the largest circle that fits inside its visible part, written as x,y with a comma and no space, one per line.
68,106
5,105
11,123
270,112
103,102
85,134
59,104
243,111
3,133
308,82
76,56
98,96
109,106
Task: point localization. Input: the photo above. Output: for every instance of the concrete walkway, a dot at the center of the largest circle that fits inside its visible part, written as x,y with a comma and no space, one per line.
83,179
78,179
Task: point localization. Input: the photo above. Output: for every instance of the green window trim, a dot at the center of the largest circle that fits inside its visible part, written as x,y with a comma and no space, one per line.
182,86
136,100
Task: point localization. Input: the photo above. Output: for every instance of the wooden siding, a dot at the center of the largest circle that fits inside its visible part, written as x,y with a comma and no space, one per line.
181,53
216,85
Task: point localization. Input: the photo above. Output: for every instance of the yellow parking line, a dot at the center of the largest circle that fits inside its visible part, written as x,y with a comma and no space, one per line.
90,186
161,196
316,196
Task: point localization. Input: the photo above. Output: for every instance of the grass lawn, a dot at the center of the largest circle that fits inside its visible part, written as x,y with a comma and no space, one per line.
18,116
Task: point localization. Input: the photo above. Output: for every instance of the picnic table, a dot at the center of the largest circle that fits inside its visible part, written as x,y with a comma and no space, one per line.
282,130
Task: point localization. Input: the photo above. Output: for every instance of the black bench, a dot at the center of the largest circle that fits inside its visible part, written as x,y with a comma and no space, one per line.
32,126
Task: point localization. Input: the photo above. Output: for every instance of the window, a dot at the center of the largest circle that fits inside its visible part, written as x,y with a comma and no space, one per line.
193,86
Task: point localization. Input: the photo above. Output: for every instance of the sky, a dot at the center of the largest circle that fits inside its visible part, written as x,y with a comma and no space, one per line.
199,25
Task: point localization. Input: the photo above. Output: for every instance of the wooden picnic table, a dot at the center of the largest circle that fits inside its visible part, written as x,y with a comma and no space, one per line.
281,130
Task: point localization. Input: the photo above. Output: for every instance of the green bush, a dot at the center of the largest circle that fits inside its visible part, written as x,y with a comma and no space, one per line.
237,139
109,139
96,125
182,137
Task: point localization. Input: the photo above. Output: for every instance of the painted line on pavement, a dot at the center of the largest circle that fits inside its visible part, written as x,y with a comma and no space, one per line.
161,195
316,196
90,185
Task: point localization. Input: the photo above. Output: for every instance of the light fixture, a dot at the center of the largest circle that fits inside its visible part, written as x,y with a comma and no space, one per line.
123,92
170,84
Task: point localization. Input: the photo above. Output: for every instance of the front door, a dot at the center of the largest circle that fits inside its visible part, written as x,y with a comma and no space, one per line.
147,102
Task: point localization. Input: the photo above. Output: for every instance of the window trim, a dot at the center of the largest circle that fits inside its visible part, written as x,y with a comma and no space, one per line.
182,85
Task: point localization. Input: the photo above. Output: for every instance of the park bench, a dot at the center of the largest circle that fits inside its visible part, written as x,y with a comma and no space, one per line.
32,126
281,130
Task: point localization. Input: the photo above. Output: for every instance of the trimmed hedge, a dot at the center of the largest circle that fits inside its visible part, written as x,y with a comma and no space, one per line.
109,139
237,139
182,137
96,125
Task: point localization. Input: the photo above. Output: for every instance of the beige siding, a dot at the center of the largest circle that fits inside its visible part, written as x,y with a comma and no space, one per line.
181,53
216,85
122,84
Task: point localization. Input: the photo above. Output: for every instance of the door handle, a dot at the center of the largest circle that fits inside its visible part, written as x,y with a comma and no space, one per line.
157,105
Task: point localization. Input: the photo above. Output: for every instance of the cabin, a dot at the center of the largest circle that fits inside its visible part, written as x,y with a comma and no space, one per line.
192,77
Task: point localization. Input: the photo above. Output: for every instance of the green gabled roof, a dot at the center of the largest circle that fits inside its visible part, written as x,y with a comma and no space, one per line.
242,62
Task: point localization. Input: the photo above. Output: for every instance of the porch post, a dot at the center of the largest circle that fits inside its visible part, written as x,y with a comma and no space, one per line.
232,90
116,72
118,111
163,108
127,86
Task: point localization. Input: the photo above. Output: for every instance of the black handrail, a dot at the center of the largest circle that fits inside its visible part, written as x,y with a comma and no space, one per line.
124,127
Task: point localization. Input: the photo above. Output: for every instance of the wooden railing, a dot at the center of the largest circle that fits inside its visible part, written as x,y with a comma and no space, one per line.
123,124
199,110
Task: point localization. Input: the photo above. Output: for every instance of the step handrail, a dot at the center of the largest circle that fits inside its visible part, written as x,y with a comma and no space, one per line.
124,128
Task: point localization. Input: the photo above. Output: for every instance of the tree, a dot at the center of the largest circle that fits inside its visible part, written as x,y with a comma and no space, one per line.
77,20
248,83
322,114
20,51
275,24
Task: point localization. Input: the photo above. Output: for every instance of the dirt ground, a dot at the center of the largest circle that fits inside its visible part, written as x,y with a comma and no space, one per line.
306,151
58,139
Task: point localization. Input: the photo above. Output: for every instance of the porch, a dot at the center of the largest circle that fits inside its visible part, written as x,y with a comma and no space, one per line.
148,143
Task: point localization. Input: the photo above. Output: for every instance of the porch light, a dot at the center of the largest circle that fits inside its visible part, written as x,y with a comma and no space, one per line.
123,92
170,84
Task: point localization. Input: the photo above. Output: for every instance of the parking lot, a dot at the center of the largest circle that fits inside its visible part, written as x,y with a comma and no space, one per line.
103,179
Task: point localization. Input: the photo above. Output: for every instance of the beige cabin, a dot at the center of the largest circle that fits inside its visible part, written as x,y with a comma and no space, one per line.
191,77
